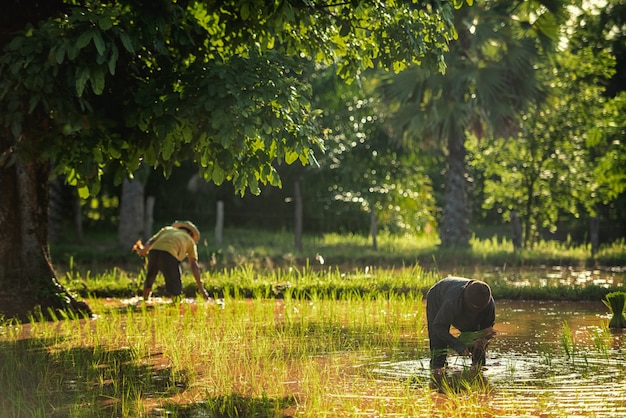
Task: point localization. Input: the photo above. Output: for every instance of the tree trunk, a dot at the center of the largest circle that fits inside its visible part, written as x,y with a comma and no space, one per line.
57,209
148,220
28,284
131,225
219,223
455,229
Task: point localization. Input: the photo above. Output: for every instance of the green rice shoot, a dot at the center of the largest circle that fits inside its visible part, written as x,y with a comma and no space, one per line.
616,301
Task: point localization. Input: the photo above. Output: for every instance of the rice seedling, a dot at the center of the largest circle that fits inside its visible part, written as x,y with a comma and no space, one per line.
616,302
601,338
567,342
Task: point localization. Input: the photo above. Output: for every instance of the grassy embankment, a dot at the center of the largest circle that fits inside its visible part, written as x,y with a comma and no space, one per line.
254,263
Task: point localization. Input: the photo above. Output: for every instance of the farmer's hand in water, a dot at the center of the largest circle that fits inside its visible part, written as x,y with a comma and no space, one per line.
489,333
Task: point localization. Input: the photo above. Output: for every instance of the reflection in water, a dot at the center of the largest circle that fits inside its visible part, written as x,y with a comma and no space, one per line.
557,353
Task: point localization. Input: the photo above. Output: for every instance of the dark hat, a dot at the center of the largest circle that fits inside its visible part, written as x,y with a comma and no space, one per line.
189,226
477,295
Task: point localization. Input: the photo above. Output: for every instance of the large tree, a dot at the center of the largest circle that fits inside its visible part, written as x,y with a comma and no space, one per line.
104,86
567,160
490,77
548,168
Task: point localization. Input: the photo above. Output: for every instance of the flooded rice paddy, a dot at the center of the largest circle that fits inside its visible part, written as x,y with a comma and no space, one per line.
547,356
548,359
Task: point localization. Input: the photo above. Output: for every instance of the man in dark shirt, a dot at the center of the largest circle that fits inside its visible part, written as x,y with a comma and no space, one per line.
468,306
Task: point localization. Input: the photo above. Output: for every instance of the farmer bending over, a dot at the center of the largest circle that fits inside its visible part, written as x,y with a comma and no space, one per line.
166,250
469,307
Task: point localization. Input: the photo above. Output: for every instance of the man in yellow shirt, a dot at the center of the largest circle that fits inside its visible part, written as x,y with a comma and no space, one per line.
166,250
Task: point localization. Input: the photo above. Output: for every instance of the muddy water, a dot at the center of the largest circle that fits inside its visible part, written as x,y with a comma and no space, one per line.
548,359
557,276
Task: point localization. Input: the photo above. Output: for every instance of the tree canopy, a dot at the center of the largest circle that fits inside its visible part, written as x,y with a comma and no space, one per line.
100,86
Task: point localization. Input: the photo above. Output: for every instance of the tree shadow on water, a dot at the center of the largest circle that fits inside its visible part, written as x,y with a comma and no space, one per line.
233,405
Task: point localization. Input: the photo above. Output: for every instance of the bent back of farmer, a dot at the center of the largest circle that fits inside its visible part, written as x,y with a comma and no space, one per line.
466,305
166,250
176,242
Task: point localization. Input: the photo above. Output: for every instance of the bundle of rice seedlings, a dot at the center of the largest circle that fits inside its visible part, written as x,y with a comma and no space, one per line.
616,301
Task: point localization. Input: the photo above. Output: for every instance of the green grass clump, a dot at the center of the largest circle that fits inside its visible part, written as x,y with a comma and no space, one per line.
616,301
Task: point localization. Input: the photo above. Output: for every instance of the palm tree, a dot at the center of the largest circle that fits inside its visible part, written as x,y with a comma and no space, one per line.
490,77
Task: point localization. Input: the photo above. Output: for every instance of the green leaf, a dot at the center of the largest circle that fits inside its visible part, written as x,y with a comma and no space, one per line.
99,43
290,157
97,80
113,59
84,39
59,54
218,175
168,148
253,184
97,154
126,41
244,11
83,192
16,128
105,22
72,51
81,80
33,102
114,152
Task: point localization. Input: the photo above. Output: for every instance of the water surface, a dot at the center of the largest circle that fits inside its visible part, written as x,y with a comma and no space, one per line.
547,356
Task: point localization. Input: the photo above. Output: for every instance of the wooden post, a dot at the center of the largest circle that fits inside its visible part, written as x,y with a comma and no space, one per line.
219,223
373,227
297,214
594,235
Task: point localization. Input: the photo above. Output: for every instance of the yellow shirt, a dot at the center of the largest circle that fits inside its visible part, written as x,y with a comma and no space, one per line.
176,242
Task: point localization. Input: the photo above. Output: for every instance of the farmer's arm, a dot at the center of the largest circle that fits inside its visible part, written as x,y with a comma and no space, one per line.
143,250
441,328
195,270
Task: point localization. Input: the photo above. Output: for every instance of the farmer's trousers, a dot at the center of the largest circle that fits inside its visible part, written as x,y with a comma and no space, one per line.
167,264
